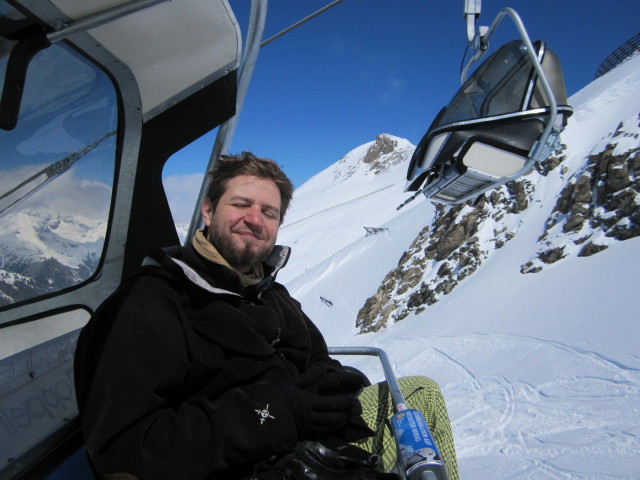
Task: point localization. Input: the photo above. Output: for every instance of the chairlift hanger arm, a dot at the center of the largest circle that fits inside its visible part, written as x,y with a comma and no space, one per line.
472,9
222,144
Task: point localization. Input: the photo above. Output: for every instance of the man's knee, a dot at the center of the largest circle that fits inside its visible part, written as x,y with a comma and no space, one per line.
414,384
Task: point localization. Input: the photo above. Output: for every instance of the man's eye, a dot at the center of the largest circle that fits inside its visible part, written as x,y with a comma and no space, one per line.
271,214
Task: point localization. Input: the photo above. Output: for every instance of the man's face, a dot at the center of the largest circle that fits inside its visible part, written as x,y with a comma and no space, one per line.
245,223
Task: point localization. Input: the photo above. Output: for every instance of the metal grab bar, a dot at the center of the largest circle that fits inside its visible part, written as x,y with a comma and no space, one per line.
399,402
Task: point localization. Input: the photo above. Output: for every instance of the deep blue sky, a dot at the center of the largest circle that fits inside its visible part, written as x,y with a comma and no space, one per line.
367,67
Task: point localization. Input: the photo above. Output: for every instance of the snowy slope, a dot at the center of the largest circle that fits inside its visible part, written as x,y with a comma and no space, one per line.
41,235
541,372
54,239
322,217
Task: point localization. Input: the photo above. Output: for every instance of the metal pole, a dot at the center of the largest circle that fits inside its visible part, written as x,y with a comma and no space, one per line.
226,130
257,19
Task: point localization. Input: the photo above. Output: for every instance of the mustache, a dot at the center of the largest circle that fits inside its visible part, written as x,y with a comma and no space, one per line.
256,232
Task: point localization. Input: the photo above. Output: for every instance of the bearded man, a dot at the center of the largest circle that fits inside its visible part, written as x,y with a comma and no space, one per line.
202,366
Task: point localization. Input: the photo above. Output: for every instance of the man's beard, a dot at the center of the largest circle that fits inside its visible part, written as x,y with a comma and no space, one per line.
240,257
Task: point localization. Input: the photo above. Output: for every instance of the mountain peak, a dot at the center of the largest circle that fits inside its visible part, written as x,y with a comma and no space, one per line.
375,157
382,153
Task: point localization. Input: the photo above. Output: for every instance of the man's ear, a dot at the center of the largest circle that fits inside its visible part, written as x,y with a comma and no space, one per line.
207,212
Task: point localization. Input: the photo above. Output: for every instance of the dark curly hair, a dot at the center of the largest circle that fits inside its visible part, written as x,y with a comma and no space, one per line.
231,166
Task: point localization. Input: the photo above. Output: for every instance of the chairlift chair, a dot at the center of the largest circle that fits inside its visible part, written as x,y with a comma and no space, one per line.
498,124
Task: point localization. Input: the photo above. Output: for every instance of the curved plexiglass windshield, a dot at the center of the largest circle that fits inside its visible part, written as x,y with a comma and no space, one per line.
498,87
56,173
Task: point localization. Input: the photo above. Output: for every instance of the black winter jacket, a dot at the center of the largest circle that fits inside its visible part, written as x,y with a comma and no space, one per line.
173,371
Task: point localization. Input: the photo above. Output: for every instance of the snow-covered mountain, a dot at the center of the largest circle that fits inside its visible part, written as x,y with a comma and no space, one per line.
41,251
521,305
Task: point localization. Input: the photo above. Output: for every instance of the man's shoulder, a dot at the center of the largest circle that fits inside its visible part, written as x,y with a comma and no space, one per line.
153,280
150,286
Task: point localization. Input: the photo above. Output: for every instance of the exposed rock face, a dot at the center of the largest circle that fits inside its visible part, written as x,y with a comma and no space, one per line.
599,203
378,156
444,253
382,154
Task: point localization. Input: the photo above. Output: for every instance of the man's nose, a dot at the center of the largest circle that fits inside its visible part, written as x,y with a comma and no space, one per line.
253,217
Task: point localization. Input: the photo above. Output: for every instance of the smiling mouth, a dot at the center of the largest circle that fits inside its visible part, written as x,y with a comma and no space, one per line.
249,234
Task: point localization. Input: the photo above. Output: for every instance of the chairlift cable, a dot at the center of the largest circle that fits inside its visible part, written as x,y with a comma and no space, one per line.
297,24
464,57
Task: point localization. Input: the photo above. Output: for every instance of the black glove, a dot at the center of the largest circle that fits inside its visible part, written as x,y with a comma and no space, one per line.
315,415
343,381
339,381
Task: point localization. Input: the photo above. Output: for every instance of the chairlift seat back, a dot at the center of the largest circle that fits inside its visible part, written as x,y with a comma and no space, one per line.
487,133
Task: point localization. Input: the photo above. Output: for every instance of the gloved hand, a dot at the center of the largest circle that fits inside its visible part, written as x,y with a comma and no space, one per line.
344,381
315,414
339,381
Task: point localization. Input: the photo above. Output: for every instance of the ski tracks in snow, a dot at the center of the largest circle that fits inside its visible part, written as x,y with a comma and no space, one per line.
527,417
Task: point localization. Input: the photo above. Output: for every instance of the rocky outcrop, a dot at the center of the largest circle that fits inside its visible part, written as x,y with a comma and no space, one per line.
383,154
444,253
380,156
599,203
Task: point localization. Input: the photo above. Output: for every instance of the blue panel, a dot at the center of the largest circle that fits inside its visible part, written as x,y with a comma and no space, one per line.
76,467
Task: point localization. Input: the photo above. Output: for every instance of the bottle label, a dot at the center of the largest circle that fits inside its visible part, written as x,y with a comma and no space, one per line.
415,442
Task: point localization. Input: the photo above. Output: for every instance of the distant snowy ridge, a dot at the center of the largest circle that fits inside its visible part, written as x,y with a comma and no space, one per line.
362,164
332,207
42,252
182,229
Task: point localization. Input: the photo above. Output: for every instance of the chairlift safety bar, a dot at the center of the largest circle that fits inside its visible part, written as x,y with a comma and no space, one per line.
417,471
